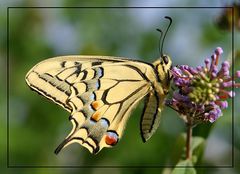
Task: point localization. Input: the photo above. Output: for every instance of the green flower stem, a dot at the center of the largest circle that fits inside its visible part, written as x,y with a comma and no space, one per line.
188,140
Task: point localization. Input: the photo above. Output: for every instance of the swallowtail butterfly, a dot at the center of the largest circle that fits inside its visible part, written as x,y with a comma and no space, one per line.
100,92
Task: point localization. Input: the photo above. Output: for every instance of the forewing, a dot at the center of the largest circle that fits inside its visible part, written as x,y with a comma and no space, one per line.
53,77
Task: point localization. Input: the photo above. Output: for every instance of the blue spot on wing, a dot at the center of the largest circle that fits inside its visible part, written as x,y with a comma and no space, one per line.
97,84
90,108
112,134
99,72
104,122
92,97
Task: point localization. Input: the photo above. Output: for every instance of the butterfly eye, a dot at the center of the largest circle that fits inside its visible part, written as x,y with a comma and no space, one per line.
165,59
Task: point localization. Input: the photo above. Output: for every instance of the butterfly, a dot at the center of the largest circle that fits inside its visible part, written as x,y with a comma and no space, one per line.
100,93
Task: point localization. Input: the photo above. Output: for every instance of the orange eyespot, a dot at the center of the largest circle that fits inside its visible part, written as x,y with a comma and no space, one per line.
95,105
95,116
111,138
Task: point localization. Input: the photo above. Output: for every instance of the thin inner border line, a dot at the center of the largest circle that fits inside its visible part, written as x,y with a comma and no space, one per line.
233,53
122,166
8,164
125,7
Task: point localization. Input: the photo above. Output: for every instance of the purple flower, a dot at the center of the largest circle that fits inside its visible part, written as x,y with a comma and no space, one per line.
202,91
238,74
213,114
218,51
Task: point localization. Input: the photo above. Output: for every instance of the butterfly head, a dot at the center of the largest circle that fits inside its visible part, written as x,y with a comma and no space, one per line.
165,61
163,67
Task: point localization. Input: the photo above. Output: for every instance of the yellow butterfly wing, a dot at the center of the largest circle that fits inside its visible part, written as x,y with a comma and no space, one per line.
99,92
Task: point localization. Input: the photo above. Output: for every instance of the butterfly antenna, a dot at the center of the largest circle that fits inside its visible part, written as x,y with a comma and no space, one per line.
161,34
170,22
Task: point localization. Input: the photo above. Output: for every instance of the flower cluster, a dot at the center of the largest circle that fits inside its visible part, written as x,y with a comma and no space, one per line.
202,91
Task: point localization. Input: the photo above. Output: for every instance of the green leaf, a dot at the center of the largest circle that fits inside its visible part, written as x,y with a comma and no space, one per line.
178,152
197,148
184,167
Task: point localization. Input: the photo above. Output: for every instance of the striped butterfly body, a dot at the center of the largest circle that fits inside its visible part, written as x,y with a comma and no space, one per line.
100,92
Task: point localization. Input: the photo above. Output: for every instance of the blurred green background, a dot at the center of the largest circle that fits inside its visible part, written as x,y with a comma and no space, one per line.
37,126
